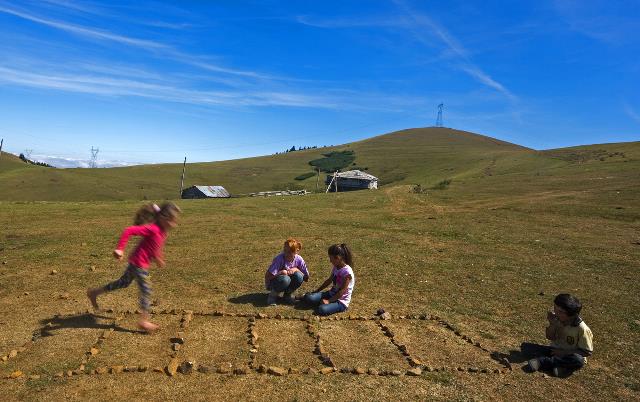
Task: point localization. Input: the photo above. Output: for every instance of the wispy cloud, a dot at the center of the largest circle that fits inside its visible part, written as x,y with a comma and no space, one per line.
111,86
86,32
615,23
155,47
631,112
452,45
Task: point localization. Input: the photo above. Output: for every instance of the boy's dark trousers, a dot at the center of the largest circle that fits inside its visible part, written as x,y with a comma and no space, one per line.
572,362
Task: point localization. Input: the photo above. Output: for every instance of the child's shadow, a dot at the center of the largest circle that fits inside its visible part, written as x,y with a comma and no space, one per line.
257,299
511,358
89,321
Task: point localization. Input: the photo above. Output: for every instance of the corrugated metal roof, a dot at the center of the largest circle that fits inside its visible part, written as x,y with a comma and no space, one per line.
356,174
213,191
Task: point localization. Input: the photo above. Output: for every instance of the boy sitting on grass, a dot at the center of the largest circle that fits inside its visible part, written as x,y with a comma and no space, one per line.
571,340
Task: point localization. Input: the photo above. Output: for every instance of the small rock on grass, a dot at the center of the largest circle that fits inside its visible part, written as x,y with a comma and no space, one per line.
54,272
34,377
13,354
373,371
116,369
243,370
359,371
278,371
16,374
385,316
327,370
396,372
172,367
416,372
187,367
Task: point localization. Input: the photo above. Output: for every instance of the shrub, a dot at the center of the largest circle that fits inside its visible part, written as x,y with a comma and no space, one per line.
442,185
334,161
305,176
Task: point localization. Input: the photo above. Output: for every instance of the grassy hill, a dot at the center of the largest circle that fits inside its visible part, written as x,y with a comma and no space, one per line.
415,156
514,228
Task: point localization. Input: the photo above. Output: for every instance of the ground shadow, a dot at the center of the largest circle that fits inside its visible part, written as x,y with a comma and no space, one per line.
90,321
259,299
513,357
256,299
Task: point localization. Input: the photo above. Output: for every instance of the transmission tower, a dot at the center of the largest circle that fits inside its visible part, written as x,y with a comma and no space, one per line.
27,153
439,119
94,157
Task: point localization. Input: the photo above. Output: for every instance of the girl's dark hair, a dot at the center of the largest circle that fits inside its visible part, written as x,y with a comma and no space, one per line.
341,250
151,213
568,303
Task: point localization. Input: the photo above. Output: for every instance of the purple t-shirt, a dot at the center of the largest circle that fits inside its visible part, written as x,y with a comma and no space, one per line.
339,276
280,262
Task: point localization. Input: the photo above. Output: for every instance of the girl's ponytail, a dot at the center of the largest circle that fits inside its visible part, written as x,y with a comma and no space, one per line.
147,213
151,212
342,250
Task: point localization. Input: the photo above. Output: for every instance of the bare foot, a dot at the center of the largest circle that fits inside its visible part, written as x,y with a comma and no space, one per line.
148,326
92,294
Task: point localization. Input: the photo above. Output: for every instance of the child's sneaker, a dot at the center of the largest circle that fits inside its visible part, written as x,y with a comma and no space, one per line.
272,298
288,298
534,364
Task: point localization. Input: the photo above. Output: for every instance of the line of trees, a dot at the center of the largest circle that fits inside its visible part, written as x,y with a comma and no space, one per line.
293,149
25,160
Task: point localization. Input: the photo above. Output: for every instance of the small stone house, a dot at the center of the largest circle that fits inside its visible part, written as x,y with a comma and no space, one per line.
352,180
205,192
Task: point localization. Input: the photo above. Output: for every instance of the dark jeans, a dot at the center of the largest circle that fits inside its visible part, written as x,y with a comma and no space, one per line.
315,299
572,362
141,276
286,283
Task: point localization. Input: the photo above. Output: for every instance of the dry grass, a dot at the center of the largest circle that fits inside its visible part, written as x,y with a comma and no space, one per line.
478,254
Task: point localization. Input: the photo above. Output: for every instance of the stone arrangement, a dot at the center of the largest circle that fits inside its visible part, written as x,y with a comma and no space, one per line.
178,339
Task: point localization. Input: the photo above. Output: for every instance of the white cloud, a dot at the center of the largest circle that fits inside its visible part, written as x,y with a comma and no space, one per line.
62,162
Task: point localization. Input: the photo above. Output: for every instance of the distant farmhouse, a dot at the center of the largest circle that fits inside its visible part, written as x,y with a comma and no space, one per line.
205,192
352,180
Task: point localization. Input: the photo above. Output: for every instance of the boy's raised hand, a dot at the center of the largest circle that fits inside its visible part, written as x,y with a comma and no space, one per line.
118,254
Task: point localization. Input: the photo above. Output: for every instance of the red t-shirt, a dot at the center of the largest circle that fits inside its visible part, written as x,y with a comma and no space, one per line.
149,248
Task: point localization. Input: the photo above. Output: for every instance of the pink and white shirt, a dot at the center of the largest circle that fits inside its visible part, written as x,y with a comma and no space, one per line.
339,276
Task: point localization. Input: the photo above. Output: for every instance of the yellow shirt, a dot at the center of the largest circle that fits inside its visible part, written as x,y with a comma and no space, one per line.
569,337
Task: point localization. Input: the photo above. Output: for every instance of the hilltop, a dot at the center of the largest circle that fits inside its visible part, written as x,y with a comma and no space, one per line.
414,156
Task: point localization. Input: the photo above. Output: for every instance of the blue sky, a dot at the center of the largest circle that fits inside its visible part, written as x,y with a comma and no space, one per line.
152,81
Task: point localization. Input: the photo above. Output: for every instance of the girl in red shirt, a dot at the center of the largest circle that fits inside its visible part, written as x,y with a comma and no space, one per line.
152,223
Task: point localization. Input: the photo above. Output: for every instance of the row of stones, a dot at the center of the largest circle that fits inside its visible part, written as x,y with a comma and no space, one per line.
279,316
418,366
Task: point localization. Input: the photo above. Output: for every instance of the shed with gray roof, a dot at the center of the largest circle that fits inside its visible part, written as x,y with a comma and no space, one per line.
205,192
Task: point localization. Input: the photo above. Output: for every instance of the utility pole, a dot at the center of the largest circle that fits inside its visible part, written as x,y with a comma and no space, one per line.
1,142
184,166
336,181
317,178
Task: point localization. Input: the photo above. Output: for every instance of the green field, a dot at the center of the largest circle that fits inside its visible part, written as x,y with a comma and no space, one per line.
487,254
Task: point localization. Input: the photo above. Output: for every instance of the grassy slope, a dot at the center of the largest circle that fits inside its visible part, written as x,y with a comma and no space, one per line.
417,155
479,254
